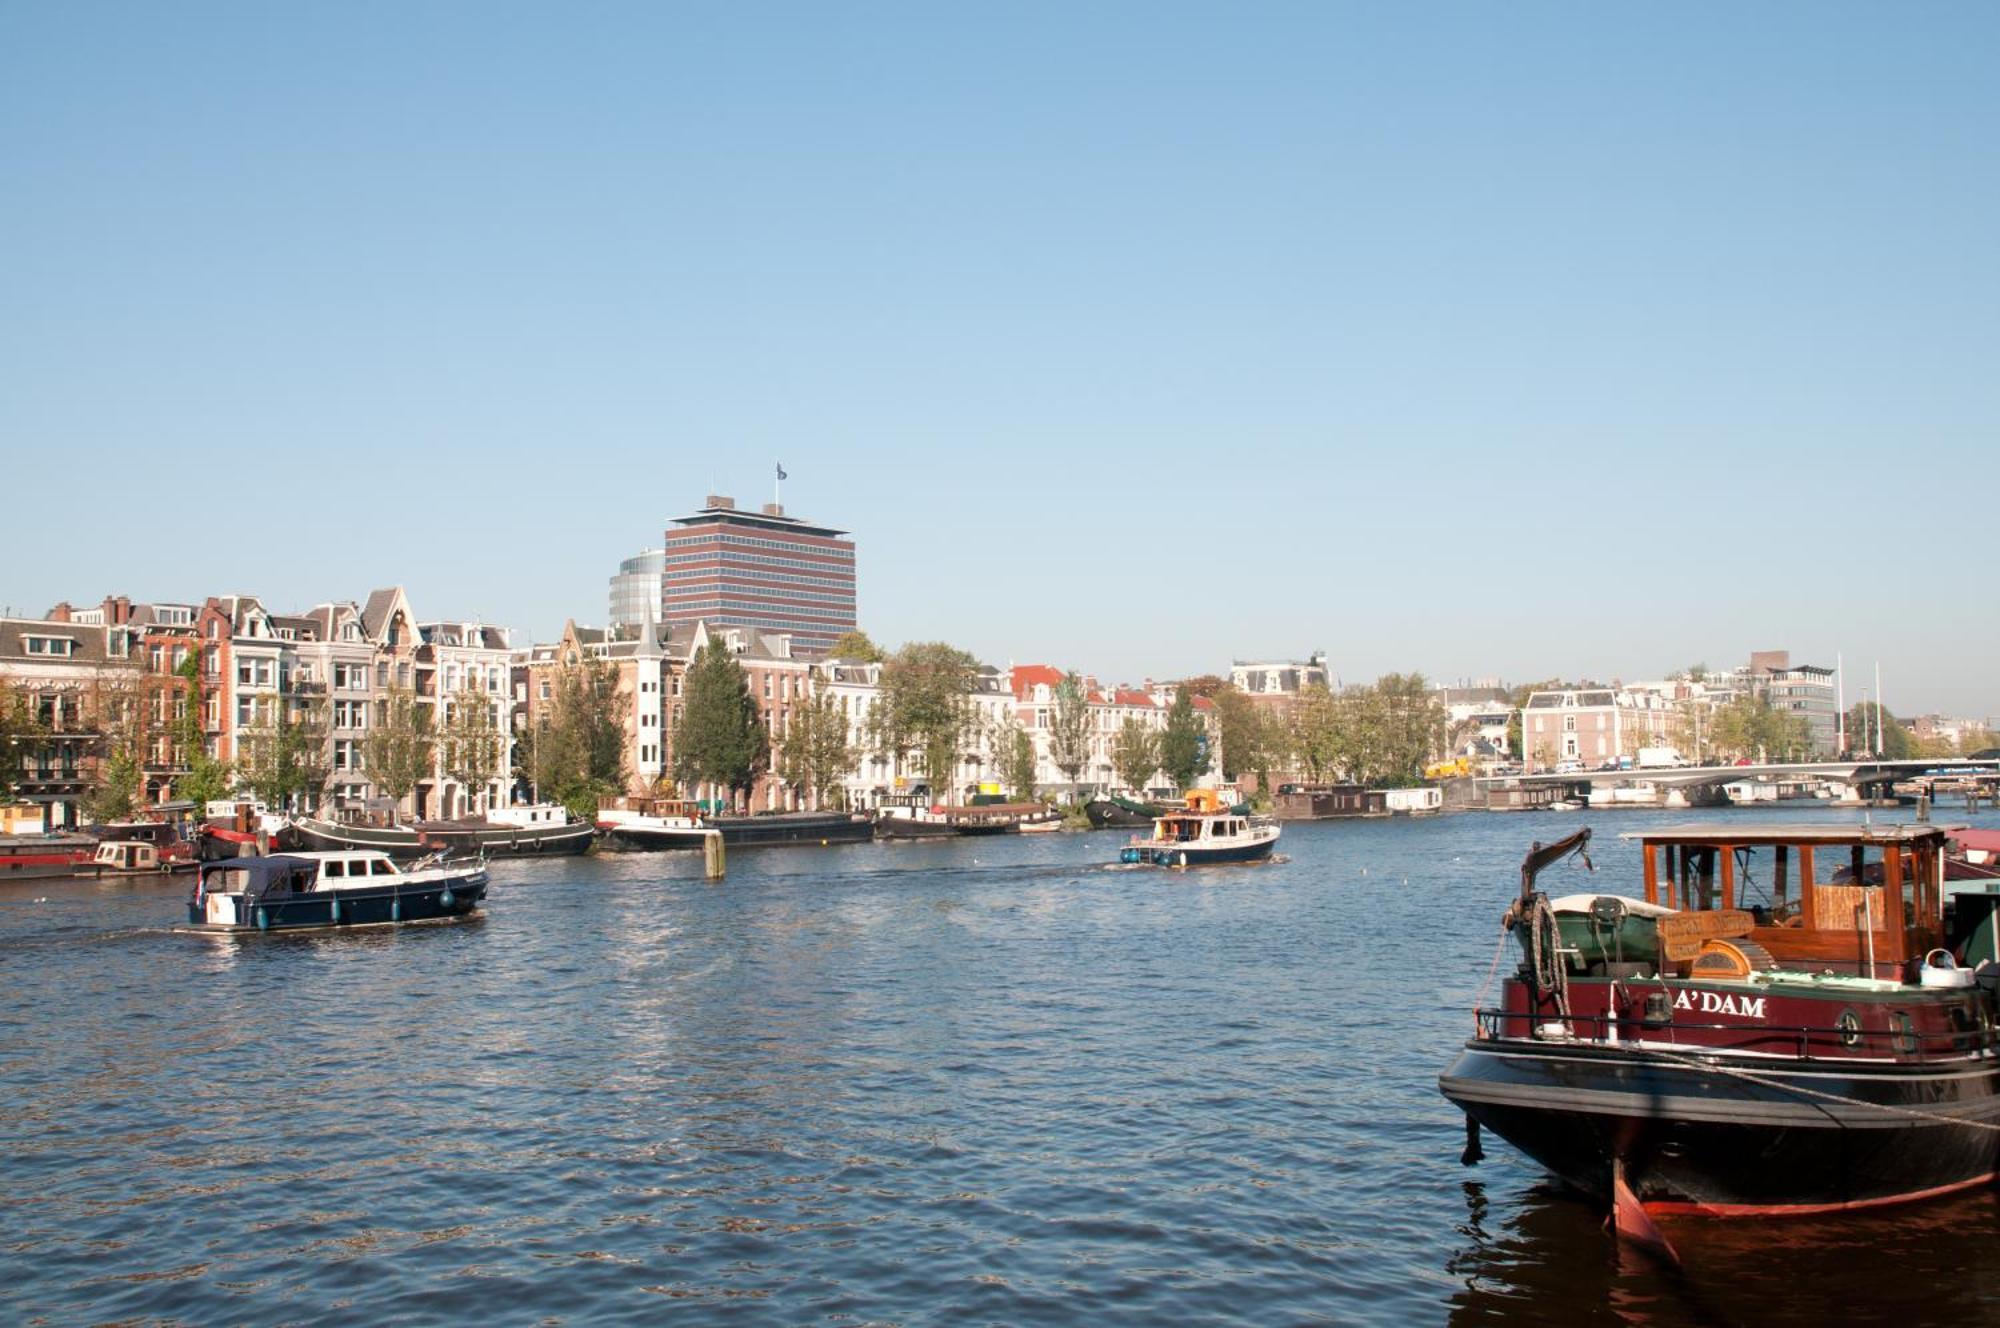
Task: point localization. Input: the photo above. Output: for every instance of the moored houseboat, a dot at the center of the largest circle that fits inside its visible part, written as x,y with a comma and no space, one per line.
900,816
331,889
1781,1025
667,823
39,857
534,830
1205,833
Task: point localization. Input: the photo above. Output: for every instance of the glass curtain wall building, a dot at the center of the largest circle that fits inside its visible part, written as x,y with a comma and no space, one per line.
635,591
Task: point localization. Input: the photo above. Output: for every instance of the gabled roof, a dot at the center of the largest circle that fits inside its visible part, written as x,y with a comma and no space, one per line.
1026,676
381,604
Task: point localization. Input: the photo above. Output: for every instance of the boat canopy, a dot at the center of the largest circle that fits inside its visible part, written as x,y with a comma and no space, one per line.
260,877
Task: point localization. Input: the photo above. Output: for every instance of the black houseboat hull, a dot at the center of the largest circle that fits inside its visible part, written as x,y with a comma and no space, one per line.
405,842
1105,814
905,827
370,906
1736,1135
792,828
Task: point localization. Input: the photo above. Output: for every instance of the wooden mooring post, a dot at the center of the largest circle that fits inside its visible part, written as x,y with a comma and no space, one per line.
714,858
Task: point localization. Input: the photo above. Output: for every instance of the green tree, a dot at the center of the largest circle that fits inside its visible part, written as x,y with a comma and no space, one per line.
1405,727
207,779
287,758
1184,751
926,707
1313,732
855,645
816,753
400,744
1894,740
1018,763
20,736
1069,731
1749,726
1241,730
1135,754
576,752
471,743
116,791
720,740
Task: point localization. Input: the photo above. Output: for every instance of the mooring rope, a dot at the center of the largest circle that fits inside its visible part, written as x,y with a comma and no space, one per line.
1917,1113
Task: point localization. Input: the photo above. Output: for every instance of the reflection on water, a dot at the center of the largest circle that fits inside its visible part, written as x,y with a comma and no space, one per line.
897,1083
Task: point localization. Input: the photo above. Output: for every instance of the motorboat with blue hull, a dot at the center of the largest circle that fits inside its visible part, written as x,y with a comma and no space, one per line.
333,889
1787,1023
1206,833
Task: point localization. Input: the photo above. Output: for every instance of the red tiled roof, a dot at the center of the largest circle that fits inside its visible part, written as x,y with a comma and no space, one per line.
1027,675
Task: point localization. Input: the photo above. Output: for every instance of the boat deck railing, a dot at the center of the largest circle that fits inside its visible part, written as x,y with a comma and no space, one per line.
1806,1042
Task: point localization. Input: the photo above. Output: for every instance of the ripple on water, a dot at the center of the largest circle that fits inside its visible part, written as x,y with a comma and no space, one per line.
879,1084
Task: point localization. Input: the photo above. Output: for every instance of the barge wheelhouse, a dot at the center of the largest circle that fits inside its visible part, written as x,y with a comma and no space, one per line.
1780,1026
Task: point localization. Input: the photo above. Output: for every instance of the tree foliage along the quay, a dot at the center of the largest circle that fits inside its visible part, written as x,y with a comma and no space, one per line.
285,757
470,741
925,708
400,744
576,751
207,778
815,751
1184,747
856,645
1069,730
1865,735
720,739
1135,754
1379,735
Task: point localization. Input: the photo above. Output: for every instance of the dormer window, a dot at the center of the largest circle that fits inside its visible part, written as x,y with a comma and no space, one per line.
59,647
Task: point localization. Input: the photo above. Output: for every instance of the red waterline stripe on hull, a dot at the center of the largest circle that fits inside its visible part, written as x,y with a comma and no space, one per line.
1676,1208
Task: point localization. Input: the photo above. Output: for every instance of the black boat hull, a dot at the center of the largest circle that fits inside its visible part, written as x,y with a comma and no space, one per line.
904,827
1699,1136
405,843
1106,815
792,829
355,908
1196,854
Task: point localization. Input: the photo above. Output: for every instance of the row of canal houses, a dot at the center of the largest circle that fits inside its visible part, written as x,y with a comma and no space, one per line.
87,674
650,661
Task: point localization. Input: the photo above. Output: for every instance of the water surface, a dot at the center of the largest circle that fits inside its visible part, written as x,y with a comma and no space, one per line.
980,1081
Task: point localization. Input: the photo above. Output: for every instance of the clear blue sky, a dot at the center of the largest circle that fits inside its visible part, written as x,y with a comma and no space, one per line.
1495,339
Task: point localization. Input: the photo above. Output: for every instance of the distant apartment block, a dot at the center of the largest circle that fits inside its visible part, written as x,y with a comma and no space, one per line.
762,570
1805,691
1590,724
1279,679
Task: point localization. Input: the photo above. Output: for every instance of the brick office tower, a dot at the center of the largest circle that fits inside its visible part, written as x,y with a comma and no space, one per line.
765,570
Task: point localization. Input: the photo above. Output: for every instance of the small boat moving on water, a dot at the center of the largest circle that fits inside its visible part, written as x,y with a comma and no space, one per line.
1782,1025
347,889
1203,834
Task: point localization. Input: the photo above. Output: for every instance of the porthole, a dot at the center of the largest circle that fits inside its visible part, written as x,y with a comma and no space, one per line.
1849,1024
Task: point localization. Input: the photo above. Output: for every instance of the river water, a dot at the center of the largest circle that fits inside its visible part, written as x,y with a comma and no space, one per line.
985,1081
